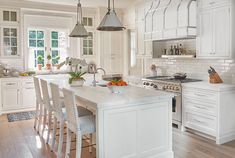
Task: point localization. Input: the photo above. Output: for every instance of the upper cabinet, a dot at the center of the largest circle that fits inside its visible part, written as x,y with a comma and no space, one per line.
9,27
215,35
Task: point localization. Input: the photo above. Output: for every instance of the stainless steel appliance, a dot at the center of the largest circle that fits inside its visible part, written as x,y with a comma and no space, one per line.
170,84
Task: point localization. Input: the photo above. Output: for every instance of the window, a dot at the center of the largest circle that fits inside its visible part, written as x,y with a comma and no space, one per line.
87,21
88,44
10,16
10,41
46,42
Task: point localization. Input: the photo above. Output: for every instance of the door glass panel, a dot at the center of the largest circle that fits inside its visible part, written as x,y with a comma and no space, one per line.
40,34
13,50
13,41
13,32
6,41
90,22
32,34
6,16
32,43
40,43
13,16
54,35
54,43
6,32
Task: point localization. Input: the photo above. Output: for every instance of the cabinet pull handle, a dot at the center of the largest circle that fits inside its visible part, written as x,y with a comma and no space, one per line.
200,107
30,88
29,82
198,94
10,84
199,121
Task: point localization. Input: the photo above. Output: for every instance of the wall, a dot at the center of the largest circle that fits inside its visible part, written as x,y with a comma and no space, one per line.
195,68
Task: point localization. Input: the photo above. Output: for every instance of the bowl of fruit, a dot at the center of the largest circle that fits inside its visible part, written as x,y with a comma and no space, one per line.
117,86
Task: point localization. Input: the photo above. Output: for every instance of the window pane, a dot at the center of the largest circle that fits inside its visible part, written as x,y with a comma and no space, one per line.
6,32
90,43
13,50
85,43
85,21
32,34
40,34
13,16
90,22
32,43
85,51
6,16
54,35
40,43
40,52
54,43
55,53
14,32
6,41
13,41
55,61
90,51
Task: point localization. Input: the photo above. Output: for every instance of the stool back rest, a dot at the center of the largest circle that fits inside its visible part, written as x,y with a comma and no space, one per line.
45,94
55,94
37,89
71,109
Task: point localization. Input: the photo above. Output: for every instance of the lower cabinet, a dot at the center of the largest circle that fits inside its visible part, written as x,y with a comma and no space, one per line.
209,109
17,94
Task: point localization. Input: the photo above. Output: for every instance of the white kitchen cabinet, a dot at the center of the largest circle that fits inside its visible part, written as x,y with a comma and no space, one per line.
215,35
28,93
17,94
10,95
207,109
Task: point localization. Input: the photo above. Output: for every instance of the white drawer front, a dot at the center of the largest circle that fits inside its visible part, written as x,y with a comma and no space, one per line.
204,124
201,94
12,84
200,106
28,83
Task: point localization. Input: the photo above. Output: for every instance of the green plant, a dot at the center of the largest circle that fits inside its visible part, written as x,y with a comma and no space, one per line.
48,57
40,59
76,76
57,58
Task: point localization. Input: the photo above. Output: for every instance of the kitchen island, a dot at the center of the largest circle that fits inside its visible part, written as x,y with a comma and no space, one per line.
134,124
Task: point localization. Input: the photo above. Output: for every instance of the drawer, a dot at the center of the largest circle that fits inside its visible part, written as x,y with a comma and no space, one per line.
200,106
28,83
12,84
201,94
201,123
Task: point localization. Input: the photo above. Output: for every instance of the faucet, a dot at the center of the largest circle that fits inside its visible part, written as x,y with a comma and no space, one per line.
94,72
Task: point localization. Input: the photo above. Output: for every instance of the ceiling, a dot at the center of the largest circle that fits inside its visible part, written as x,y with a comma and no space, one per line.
88,3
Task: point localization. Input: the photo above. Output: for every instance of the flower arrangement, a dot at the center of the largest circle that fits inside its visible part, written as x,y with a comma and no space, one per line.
40,60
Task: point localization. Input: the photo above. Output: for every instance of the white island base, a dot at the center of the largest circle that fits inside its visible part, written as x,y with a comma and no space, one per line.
134,124
136,131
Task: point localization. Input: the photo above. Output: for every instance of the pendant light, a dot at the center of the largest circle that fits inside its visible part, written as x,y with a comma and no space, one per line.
79,30
110,21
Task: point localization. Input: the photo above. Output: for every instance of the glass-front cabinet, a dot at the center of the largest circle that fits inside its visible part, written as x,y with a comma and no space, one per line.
9,26
10,42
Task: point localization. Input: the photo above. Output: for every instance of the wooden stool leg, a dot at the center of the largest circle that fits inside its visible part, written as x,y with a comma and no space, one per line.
61,139
78,144
37,116
68,143
49,127
54,134
44,120
40,117
90,143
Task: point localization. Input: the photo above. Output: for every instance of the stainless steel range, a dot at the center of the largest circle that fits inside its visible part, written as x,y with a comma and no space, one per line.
169,84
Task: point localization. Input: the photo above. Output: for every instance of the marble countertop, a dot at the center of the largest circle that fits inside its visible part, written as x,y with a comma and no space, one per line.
209,86
102,97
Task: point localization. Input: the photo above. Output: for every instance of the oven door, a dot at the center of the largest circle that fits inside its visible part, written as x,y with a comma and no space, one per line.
177,108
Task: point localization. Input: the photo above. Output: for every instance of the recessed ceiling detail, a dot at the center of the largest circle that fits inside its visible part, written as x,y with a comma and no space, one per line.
88,3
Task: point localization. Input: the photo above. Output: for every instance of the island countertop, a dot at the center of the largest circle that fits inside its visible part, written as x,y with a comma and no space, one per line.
101,96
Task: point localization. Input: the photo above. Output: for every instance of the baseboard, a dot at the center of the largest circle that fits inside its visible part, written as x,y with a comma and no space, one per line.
168,154
225,138
18,110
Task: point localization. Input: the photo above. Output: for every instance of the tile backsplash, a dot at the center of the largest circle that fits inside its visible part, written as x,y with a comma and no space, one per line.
195,68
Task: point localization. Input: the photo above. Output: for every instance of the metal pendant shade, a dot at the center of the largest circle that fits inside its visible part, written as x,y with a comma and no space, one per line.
110,21
79,30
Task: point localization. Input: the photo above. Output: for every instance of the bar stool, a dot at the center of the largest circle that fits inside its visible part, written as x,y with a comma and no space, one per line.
80,125
60,116
39,105
48,109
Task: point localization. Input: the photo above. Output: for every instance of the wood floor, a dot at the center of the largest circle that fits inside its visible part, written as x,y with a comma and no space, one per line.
19,140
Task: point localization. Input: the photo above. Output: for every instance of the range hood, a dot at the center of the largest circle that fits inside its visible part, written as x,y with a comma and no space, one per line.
175,19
